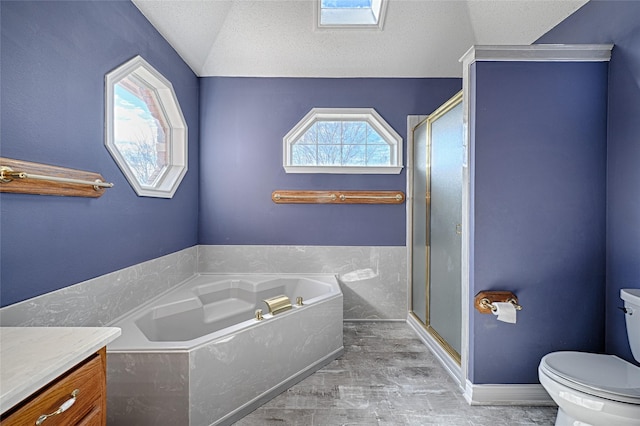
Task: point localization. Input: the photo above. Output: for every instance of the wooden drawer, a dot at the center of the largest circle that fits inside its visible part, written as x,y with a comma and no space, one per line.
89,382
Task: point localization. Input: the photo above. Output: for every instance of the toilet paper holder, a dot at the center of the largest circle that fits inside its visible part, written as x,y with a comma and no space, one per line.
483,301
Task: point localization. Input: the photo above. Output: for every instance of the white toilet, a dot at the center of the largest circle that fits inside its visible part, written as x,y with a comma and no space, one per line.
593,389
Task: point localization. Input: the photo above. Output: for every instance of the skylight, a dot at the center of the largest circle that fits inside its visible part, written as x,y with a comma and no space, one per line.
350,13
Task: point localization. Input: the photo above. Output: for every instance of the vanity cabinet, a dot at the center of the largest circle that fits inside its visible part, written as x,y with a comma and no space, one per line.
79,394
48,369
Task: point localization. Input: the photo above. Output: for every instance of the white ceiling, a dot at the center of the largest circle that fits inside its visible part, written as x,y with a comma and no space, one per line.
278,38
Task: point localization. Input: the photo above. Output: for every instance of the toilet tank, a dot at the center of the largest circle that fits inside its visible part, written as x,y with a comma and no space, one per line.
631,297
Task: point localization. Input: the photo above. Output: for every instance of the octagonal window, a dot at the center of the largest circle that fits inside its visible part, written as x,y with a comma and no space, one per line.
146,133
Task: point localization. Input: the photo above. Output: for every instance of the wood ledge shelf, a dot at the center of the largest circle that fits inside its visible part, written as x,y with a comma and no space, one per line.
337,197
81,185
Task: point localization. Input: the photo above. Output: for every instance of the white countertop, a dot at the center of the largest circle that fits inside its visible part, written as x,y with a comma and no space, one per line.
31,357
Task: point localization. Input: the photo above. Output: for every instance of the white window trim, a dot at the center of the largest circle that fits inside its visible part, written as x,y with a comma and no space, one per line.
167,184
381,6
369,115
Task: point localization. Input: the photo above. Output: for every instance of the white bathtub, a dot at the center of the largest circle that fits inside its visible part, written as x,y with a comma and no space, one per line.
197,356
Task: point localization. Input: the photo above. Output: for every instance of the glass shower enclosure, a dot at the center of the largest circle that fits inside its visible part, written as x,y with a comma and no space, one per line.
436,228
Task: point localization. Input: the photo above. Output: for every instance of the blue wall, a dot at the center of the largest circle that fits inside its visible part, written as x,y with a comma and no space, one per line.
54,58
616,22
243,121
540,232
538,188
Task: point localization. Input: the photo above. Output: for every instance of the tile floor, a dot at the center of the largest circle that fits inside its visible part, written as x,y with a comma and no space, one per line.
385,377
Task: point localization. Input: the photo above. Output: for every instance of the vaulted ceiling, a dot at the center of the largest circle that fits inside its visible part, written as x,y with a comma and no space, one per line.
278,38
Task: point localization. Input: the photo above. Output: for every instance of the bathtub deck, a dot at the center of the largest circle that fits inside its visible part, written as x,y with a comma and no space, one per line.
385,377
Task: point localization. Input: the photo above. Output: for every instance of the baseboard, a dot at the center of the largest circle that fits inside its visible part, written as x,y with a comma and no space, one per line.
507,394
491,394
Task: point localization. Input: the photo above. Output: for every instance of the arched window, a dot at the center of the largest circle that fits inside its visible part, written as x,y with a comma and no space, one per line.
342,141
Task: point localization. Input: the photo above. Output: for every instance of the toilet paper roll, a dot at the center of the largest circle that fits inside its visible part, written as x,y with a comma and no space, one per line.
505,311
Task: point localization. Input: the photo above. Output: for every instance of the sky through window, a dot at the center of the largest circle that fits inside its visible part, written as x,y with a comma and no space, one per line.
345,4
341,143
350,13
139,136
342,140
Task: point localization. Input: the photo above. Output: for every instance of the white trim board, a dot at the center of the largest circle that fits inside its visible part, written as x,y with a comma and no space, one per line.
510,394
540,53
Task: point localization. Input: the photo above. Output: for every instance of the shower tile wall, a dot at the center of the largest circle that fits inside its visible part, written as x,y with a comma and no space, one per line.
373,279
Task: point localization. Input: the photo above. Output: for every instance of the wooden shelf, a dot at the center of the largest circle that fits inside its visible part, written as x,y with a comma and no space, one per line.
43,179
337,197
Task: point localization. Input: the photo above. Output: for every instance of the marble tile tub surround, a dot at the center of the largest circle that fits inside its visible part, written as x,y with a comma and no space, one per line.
220,381
98,301
373,279
148,388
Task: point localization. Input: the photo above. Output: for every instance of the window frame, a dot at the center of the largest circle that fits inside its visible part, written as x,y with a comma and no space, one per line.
176,167
368,115
336,22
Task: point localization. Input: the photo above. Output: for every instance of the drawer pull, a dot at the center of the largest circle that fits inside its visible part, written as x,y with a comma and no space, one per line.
64,407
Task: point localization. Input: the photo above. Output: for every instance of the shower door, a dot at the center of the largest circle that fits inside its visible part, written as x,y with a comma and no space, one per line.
437,231
419,257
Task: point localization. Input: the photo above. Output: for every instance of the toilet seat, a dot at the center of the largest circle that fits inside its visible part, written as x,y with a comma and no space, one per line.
604,376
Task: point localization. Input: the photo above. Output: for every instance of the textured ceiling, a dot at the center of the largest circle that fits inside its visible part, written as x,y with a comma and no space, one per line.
278,38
